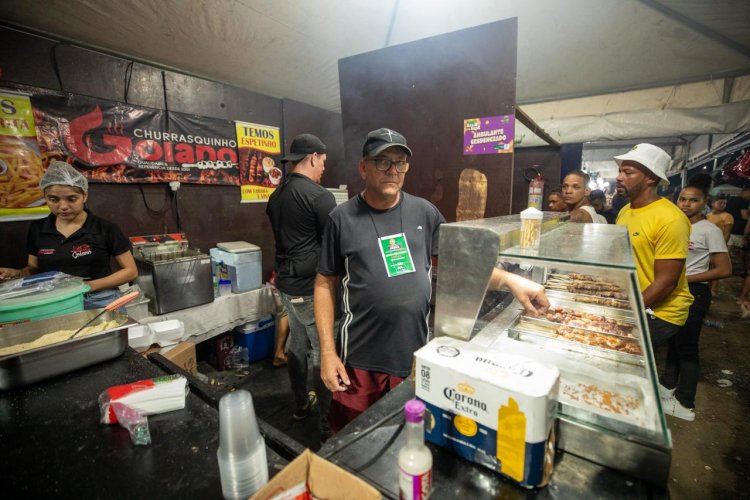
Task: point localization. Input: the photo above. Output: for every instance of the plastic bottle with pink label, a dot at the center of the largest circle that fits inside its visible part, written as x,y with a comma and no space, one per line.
414,458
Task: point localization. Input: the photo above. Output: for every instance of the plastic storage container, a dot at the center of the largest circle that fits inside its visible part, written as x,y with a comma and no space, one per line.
138,310
66,297
244,268
258,336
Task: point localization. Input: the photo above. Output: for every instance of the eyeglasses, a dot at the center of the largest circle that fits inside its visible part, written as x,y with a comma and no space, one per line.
384,164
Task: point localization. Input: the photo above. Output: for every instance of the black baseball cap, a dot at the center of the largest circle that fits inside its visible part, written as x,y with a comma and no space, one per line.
381,139
303,145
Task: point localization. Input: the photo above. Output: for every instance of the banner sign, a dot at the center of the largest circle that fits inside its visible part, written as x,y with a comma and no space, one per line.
489,135
259,149
115,142
21,163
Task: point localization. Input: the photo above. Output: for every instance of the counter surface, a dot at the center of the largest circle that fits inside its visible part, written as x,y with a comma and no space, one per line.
54,446
222,315
454,477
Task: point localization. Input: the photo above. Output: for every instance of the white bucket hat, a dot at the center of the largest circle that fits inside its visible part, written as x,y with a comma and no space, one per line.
652,158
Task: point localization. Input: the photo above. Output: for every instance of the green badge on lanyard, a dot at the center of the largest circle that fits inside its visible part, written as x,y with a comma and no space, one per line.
396,255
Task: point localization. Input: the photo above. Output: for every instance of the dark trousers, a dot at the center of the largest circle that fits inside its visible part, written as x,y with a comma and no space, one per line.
682,366
303,341
661,331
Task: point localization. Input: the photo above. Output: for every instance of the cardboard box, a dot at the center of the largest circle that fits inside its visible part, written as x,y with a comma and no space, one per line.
217,349
323,479
183,355
491,408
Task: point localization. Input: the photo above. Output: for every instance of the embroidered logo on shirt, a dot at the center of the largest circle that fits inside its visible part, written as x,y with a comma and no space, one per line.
46,251
636,233
81,250
419,228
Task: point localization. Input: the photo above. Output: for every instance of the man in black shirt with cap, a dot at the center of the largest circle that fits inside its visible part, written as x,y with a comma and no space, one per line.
377,254
298,210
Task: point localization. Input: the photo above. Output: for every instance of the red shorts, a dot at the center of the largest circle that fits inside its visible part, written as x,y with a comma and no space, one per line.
365,389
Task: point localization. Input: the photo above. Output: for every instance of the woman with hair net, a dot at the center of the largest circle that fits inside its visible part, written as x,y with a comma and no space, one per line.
74,241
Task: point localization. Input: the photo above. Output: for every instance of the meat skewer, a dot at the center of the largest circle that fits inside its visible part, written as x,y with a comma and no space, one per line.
601,301
597,340
588,321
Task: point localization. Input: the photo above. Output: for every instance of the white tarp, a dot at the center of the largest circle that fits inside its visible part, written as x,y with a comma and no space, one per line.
566,49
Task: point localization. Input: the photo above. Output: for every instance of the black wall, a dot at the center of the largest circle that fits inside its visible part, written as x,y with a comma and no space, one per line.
209,214
546,160
425,89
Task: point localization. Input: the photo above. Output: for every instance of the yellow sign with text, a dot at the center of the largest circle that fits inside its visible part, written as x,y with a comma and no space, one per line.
16,117
258,137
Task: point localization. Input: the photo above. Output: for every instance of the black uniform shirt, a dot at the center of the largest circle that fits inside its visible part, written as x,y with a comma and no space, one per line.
85,253
298,211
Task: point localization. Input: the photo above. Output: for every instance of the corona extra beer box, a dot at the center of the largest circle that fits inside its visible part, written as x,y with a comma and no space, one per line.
489,407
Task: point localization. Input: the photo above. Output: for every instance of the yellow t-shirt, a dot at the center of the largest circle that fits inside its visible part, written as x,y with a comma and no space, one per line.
723,220
660,231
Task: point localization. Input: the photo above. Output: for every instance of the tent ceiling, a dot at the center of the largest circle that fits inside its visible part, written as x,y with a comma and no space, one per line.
290,48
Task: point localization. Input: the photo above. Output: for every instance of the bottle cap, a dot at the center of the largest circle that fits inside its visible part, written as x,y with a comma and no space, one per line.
532,213
414,410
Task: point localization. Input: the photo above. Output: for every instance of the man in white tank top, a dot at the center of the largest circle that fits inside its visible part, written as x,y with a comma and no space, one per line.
575,190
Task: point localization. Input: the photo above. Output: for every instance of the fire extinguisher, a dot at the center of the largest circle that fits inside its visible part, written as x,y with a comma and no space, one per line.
536,188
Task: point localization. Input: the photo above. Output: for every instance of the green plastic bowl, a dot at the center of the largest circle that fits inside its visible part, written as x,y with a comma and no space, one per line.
64,299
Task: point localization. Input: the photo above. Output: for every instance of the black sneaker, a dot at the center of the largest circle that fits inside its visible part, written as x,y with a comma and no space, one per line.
302,413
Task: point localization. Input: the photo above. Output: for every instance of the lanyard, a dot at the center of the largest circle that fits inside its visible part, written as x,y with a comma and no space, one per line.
400,215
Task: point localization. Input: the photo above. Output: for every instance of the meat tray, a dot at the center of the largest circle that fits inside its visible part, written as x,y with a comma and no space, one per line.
540,331
28,367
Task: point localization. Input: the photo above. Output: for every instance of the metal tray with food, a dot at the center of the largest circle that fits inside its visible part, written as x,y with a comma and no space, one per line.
574,301
613,347
34,351
587,289
560,314
623,400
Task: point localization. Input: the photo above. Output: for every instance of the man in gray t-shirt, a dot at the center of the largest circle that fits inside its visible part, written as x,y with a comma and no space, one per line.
378,248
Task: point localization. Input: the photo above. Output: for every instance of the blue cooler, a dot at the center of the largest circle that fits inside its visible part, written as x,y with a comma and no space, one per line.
258,336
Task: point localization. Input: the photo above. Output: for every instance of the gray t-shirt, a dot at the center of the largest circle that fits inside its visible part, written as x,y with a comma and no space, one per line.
705,239
383,320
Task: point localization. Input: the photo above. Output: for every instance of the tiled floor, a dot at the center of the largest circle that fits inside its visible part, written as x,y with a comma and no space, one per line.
272,397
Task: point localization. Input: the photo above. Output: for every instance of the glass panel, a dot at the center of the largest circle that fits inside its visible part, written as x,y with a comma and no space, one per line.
596,331
593,244
593,336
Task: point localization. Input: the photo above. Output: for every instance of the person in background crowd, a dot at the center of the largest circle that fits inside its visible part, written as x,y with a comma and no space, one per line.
599,201
386,293
708,260
282,325
74,241
555,201
575,191
743,300
722,219
659,234
737,207
298,210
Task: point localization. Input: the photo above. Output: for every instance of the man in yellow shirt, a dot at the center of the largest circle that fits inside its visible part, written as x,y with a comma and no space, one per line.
659,234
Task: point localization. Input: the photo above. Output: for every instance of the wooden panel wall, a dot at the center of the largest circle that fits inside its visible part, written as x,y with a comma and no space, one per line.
425,89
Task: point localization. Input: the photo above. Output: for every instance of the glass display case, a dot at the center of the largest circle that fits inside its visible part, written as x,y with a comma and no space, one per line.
595,330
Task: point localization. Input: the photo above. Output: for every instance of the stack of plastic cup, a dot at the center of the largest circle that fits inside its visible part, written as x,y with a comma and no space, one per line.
531,228
242,450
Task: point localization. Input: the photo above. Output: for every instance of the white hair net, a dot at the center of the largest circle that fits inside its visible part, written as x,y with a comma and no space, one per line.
61,174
